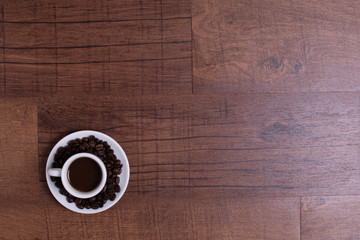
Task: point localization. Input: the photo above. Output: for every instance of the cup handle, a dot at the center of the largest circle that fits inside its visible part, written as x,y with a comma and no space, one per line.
54,172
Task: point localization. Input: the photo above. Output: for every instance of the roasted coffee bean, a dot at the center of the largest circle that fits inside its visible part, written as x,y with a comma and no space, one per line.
80,206
93,199
61,161
111,191
117,180
55,165
85,139
88,151
53,178
92,144
94,206
98,197
109,172
57,156
109,181
71,142
87,206
116,170
117,188
62,191
109,151
60,149
104,201
112,197
99,147
92,138
104,189
58,183
106,196
86,145
106,145
108,165
101,205
97,140
110,186
101,153
70,199
82,148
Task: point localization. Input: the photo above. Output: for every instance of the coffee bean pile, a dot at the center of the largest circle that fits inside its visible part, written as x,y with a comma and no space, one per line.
101,149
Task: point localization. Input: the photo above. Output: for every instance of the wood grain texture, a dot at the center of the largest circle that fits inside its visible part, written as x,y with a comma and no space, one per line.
22,220
139,216
277,157
275,46
2,56
94,10
327,217
245,145
58,47
18,150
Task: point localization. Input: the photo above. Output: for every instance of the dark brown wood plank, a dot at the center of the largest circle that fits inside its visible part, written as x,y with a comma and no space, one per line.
45,49
237,145
129,32
29,35
25,11
22,220
2,80
2,56
100,54
18,150
141,216
165,76
30,80
272,46
275,172
93,10
327,217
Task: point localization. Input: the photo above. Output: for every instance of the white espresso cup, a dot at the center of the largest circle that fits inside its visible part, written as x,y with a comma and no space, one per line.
63,174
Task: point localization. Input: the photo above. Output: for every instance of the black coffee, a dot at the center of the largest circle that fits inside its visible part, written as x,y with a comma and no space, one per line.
84,174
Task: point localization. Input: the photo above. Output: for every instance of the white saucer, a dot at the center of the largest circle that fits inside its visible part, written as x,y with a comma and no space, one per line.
118,151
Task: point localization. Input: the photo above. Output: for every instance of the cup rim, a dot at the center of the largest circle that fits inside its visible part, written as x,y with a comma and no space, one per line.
71,189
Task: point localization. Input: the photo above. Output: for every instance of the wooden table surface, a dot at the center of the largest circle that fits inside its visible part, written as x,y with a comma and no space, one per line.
240,118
